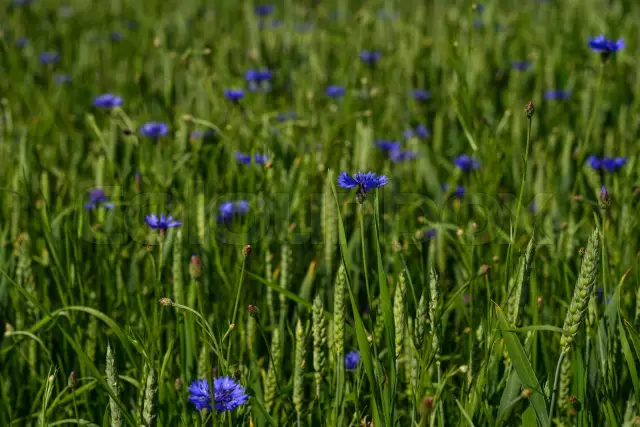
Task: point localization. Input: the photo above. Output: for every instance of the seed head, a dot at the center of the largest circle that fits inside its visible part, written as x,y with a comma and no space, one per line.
246,251
253,310
72,381
166,302
529,110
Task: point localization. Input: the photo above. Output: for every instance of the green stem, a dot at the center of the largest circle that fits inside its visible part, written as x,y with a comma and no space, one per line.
235,305
554,392
524,178
364,256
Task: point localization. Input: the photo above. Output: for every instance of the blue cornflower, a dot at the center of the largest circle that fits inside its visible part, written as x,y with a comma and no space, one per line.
97,197
264,9
161,223
607,164
49,58
363,181
257,76
228,394
335,91
62,79
107,100
234,95
606,46
386,145
370,57
520,65
557,94
154,130
430,233
22,42
352,360
466,163
459,191
479,8
398,156
245,159
229,209
421,94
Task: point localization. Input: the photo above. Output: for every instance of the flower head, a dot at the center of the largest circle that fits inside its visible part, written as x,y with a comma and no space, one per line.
257,76
466,163
604,45
115,36
557,94
363,181
97,197
229,209
154,129
335,91
352,360
386,145
370,57
204,135
264,9
107,100
228,394
49,58
607,164
234,95
283,117
421,94
245,159
161,223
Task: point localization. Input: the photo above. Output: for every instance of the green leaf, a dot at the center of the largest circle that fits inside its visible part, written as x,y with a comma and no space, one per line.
523,368
510,393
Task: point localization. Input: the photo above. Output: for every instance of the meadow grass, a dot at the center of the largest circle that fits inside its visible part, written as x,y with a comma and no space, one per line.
497,289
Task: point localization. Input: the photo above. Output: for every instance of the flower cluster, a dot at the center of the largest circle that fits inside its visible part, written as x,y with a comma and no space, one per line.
97,197
352,360
245,159
363,182
161,223
466,163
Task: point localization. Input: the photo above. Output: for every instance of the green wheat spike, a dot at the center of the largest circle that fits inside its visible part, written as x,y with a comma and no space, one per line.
298,370
319,341
113,381
149,409
339,313
178,283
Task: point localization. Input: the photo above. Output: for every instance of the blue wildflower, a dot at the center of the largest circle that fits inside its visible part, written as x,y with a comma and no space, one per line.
234,95
607,164
154,130
62,79
363,181
386,145
257,76
557,94
370,57
479,8
228,394
22,42
398,156
466,163
264,9
604,45
335,91
421,94
97,197
430,233
107,100
245,159
161,223
49,58
229,209
520,65
352,360
459,191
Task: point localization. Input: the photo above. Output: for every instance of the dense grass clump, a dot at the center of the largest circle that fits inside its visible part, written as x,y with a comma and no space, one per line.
324,213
